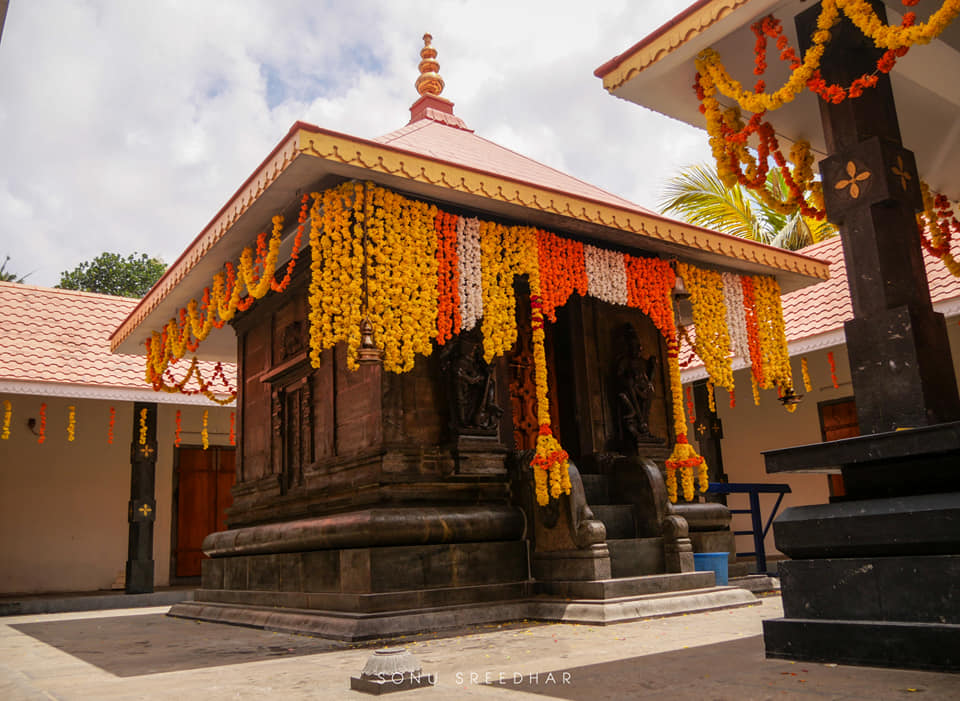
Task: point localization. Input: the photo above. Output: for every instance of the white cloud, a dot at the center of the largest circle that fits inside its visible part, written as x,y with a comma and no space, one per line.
125,126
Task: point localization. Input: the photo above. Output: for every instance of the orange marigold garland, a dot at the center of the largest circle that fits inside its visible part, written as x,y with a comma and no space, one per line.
448,277
650,283
562,271
805,372
833,370
176,435
42,436
233,426
204,431
110,425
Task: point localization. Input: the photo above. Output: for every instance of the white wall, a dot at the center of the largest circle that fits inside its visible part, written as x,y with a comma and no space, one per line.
63,505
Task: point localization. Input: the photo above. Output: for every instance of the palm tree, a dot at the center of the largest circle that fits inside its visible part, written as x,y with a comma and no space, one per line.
7,276
698,196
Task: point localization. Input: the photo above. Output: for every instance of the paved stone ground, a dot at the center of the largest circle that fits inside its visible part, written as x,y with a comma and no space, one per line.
142,654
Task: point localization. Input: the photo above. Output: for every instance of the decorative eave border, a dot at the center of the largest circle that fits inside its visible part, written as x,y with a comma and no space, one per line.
115,394
378,158
681,29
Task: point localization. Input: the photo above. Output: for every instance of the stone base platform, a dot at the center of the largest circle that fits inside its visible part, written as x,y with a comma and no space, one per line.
351,626
931,646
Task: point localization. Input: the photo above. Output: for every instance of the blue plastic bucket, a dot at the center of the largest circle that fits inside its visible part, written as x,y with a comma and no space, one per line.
712,562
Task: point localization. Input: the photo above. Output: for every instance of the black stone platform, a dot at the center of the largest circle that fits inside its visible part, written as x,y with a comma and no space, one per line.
874,579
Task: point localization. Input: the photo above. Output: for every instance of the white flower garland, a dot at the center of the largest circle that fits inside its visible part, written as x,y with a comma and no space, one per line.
736,321
606,275
468,255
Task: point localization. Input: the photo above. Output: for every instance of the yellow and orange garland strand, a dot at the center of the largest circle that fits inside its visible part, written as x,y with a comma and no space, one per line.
71,423
728,132
7,416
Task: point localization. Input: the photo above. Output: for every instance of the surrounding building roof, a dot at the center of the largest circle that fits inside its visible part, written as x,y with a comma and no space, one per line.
56,342
814,316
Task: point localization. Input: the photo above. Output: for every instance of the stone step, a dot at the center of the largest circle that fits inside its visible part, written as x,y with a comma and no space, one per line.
618,518
596,488
628,586
635,557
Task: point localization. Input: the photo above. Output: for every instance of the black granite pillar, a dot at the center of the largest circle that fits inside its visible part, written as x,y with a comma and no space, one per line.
899,353
141,511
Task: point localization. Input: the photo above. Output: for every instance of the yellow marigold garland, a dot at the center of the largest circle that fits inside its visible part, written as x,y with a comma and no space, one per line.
502,255
805,372
710,318
683,458
204,431
772,335
71,423
143,427
7,416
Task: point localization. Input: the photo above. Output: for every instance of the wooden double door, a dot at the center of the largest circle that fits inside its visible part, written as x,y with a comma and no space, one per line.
204,480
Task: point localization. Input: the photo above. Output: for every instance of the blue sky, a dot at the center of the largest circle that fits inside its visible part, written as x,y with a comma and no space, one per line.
124,126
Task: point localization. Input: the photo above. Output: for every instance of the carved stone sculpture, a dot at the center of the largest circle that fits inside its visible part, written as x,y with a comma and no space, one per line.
471,386
635,387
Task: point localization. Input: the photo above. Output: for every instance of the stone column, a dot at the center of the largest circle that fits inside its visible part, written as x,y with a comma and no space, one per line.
899,354
142,508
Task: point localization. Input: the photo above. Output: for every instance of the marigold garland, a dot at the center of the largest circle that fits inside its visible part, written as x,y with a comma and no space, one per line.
233,433
939,218
448,277
71,423
143,427
833,370
42,436
710,319
7,418
772,335
563,271
690,409
729,134
110,425
805,372
176,434
413,270
204,431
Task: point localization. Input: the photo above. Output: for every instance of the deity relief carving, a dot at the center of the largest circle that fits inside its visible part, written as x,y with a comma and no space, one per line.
471,386
634,379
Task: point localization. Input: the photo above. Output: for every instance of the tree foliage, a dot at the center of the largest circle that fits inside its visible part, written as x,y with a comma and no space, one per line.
111,274
698,196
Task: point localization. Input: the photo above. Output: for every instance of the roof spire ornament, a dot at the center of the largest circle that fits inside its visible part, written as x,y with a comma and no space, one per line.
429,82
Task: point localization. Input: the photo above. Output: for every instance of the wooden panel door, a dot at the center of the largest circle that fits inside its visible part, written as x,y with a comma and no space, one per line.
838,420
205,478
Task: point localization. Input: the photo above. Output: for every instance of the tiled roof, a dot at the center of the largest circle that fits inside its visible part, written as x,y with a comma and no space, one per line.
435,136
62,336
825,307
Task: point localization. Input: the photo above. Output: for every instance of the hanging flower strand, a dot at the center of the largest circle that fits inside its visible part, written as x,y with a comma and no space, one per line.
176,435
71,423
7,417
233,426
43,424
204,432
113,419
143,427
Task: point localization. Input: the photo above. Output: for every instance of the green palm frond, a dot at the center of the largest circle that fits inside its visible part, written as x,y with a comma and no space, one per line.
698,196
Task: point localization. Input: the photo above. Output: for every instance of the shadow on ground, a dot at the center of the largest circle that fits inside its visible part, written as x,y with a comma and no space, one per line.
735,670
130,646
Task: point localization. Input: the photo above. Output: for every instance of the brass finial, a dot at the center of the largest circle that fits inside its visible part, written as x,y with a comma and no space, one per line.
429,82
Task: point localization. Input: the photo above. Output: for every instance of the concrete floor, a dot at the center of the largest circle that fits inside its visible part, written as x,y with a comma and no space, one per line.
142,654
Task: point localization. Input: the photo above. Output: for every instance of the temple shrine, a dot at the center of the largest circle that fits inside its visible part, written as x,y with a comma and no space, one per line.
458,384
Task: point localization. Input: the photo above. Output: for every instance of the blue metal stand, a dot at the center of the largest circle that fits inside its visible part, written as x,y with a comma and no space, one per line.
759,529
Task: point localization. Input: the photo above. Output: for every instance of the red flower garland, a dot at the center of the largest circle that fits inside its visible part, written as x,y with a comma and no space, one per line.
113,419
833,370
448,277
176,435
563,271
753,332
233,435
